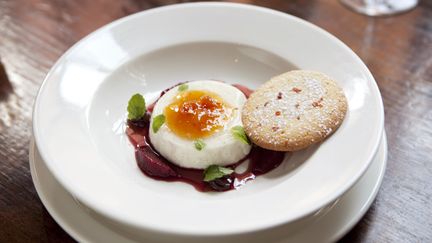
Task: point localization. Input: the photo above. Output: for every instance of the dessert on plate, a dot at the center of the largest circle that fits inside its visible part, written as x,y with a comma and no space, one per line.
200,132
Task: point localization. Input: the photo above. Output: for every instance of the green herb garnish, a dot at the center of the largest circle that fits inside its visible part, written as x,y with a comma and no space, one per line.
158,121
136,107
199,144
239,133
183,87
215,171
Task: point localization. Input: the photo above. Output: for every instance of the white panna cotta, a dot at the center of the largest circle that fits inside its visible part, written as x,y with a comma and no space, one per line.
197,120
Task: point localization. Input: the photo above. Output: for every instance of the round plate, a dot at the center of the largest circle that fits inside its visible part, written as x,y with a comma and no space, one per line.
79,115
328,225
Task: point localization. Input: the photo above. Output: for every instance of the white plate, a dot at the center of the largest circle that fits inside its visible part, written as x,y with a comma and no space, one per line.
80,109
327,226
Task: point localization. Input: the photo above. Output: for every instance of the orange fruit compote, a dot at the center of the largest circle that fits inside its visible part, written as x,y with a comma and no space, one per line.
197,114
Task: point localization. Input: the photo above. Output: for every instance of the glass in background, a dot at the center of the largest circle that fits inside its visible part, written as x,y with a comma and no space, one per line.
380,7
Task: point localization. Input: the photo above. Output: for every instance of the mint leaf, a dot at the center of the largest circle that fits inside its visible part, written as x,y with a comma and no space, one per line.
136,107
239,134
199,144
183,87
158,121
215,171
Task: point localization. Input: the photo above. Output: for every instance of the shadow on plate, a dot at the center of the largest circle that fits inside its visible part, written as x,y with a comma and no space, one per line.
292,162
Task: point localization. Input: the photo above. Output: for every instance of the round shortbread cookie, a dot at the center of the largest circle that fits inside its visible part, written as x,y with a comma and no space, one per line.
294,110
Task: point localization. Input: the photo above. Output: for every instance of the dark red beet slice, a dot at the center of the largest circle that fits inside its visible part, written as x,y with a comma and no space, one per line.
150,163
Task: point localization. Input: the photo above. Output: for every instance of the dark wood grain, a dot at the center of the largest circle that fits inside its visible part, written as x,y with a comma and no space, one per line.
397,49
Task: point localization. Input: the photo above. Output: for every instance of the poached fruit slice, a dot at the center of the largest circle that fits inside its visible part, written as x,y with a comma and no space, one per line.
147,159
151,164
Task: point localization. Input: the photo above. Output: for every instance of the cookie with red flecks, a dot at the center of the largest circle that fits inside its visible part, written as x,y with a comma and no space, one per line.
294,110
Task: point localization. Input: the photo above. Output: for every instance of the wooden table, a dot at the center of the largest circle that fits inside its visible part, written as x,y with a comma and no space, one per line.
397,49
